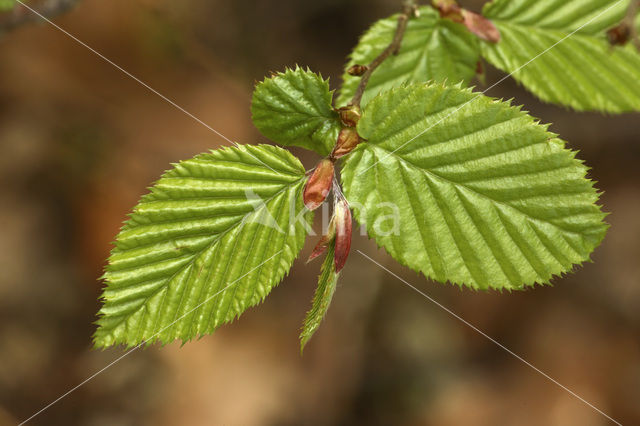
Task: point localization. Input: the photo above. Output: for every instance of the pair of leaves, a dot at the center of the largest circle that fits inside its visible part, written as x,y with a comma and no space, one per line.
556,48
472,190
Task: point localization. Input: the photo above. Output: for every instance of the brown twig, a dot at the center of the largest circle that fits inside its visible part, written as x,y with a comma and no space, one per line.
630,21
408,9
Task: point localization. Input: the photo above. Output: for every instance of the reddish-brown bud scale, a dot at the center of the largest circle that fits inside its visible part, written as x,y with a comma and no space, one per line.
350,115
342,216
318,185
348,139
481,26
324,242
357,70
449,9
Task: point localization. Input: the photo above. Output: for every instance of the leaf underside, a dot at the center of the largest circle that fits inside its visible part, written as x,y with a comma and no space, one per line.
485,196
321,299
211,239
432,49
295,108
558,50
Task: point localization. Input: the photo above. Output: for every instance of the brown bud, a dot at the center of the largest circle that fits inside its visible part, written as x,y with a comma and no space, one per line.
357,70
348,139
342,216
619,35
318,185
350,115
324,242
481,26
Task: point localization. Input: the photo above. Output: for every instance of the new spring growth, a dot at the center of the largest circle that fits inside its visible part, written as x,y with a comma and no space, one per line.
338,233
348,137
318,185
342,218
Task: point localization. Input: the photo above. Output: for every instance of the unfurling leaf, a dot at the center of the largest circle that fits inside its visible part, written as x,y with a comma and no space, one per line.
212,238
322,298
468,189
295,108
559,51
319,184
432,49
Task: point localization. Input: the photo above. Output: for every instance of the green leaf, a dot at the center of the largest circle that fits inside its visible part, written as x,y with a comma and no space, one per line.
578,70
212,238
322,298
468,189
294,108
432,49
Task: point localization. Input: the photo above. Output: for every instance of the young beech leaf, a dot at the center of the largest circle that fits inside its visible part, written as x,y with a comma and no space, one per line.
432,49
468,189
580,70
212,238
322,298
295,108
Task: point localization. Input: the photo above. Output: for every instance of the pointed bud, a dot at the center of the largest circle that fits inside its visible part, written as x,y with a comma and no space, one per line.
481,26
357,70
324,242
318,185
348,139
350,115
342,216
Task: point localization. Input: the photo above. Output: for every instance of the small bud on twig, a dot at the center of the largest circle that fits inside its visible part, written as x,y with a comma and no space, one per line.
350,115
357,70
619,35
348,139
318,185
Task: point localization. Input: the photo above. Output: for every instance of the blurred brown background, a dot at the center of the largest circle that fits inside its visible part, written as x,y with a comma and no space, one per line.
80,142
